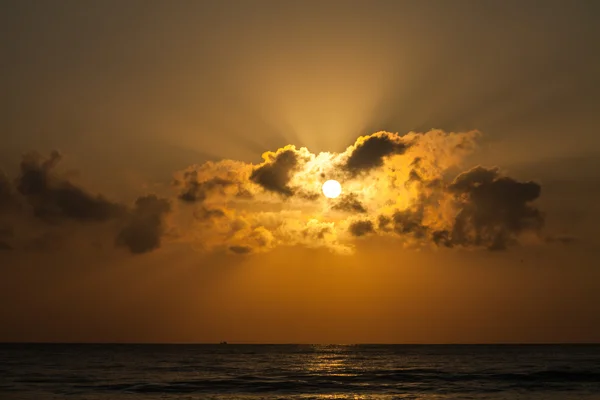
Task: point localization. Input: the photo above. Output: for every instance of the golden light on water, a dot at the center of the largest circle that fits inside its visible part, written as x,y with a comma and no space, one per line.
332,189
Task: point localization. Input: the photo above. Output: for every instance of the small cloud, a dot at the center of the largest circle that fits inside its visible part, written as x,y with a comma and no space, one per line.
195,191
361,228
240,249
145,225
407,221
205,214
275,173
369,151
493,208
349,203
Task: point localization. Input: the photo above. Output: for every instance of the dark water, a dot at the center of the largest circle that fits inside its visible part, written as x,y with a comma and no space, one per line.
298,372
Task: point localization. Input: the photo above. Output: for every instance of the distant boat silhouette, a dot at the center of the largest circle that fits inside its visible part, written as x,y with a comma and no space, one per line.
222,342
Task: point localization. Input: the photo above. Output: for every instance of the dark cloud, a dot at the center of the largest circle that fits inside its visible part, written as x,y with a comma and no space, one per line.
493,209
408,222
383,223
442,238
361,228
349,203
404,222
370,153
146,225
206,214
240,249
307,195
275,175
53,198
194,191
317,233
6,194
414,175
473,178
243,193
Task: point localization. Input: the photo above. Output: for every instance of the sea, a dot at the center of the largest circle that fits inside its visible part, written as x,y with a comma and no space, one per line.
250,372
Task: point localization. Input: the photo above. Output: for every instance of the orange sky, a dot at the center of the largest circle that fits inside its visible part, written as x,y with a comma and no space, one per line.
136,95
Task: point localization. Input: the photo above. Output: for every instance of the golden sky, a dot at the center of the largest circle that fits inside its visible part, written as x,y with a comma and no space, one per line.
161,169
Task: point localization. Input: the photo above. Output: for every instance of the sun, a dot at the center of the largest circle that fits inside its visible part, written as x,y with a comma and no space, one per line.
332,189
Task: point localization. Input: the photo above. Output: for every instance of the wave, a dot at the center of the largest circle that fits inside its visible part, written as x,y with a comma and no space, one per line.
421,380
269,372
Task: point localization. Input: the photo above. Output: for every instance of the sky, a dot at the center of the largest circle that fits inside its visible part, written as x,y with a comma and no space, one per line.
162,165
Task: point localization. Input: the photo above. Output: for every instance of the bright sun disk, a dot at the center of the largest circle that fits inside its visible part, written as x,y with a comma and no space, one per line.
332,189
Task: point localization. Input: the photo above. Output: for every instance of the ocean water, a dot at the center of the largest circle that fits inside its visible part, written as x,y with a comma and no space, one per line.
61,371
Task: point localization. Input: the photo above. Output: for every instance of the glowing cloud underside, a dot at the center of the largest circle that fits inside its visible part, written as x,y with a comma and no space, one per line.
393,184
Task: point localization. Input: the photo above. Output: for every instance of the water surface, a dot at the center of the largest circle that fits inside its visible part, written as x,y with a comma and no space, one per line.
58,371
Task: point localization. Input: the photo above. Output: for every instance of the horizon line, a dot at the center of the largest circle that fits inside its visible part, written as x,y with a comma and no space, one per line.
305,343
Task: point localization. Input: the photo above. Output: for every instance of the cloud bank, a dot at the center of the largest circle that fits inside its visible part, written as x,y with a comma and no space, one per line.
393,185
409,187
39,202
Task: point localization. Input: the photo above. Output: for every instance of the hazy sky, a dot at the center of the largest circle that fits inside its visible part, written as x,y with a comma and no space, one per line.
125,234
